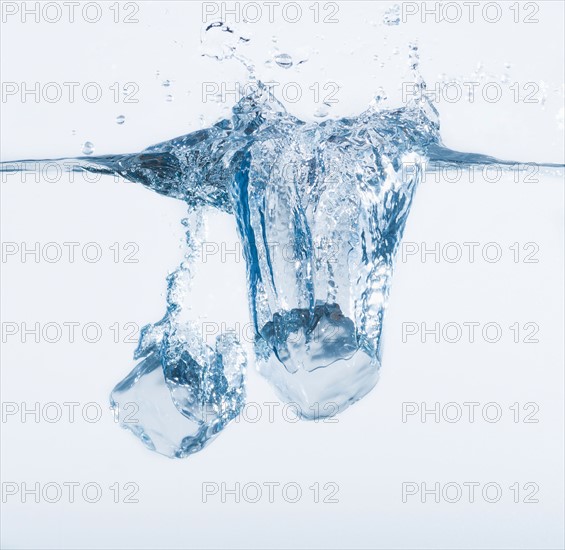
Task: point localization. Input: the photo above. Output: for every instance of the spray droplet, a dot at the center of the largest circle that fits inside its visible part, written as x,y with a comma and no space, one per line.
166,83
283,60
391,16
120,119
322,111
220,41
73,132
88,148
378,99
507,65
414,56
169,98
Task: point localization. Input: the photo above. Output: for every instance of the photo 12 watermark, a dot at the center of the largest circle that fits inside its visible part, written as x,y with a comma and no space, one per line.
253,492
70,12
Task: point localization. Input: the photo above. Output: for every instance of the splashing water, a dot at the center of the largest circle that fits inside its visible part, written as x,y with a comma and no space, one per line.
320,210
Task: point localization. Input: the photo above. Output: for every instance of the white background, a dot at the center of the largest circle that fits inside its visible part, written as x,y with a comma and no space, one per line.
369,452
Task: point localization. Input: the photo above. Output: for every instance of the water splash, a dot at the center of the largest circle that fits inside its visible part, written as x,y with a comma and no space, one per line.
320,209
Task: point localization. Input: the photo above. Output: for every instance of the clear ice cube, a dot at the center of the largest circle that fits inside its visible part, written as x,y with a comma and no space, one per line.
179,397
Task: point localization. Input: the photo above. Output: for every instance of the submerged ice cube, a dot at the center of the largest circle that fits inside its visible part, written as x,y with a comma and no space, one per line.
324,367
142,403
179,397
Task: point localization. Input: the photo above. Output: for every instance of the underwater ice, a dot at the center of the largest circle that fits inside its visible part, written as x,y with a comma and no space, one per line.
205,386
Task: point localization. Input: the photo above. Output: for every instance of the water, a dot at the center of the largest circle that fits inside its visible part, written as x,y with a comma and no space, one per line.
321,208
392,16
283,60
87,148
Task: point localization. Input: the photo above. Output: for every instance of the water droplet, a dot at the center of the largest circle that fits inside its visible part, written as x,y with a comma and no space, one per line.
322,111
391,16
378,99
507,65
120,119
283,60
166,83
87,148
169,98
73,132
380,95
220,41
